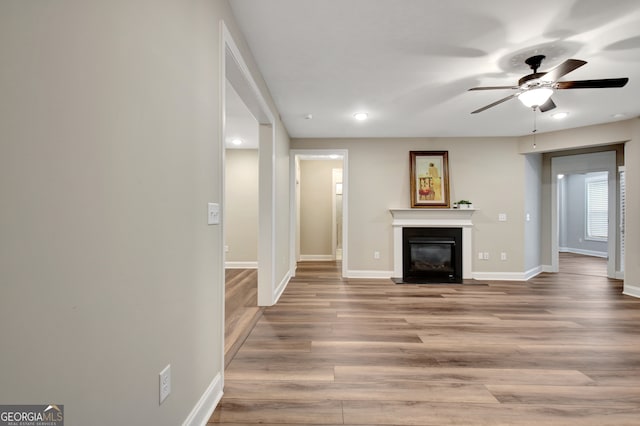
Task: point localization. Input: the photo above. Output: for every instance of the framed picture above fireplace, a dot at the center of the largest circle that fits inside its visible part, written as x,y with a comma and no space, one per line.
429,179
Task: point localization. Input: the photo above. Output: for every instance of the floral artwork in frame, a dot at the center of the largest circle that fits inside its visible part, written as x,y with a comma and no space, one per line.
429,179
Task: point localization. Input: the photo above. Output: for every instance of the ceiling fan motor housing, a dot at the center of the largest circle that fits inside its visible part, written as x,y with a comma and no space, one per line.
530,77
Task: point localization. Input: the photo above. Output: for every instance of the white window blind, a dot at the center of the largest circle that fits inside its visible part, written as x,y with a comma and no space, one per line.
597,207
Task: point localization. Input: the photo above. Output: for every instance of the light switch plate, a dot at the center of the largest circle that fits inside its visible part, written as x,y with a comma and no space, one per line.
213,213
165,383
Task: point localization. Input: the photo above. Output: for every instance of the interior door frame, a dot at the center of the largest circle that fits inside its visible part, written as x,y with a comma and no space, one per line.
563,165
235,69
295,155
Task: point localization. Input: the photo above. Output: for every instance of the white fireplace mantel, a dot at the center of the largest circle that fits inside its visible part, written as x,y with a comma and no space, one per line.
433,218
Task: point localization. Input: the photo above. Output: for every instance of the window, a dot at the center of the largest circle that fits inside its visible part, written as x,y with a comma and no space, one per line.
597,222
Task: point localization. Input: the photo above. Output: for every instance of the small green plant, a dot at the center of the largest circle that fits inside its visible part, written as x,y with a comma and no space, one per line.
464,202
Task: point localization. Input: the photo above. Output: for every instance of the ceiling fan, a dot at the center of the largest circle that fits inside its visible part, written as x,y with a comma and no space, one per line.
534,90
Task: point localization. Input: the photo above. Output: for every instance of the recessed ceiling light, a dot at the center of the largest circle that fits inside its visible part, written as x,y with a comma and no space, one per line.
360,116
560,115
619,115
237,141
308,116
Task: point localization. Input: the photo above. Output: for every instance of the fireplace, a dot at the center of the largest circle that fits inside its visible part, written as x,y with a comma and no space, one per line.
432,255
460,219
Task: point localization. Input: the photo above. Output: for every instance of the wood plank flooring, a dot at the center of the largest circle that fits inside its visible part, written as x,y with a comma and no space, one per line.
241,309
560,349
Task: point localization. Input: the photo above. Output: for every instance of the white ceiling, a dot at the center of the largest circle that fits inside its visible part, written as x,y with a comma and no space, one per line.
239,123
409,63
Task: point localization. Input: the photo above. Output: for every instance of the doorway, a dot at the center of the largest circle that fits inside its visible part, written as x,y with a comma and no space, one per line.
241,225
319,207
238,77
581,223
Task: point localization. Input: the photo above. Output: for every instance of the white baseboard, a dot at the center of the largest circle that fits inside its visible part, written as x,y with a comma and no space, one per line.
370,274
619,275
241,265
316,257
533,272
584,252
547,268
500,276
281,287
493,276
203,410
631,290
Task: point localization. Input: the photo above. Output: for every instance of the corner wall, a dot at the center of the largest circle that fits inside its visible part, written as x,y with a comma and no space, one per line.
111,149
596,138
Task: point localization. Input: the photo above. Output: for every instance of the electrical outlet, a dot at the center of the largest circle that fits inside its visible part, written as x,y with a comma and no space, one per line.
165,383
502,217
503,256
226,249
376,255
485,255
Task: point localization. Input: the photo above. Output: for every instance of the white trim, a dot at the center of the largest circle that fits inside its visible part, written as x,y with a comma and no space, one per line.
486,276
200,414
370,274
599,161
316,257
281,287
501,276
294,156
267,159
241,265
547,268
533,272
433,218
619,275
583,252
631,290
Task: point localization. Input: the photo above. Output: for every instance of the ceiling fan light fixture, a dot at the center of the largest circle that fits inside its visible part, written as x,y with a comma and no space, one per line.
535,97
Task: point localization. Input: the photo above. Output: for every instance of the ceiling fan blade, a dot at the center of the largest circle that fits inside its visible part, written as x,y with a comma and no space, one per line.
494,88
592,84
494,103
563,69
549,105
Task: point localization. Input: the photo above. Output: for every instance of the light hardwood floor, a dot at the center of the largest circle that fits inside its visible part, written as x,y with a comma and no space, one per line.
560,349
241,311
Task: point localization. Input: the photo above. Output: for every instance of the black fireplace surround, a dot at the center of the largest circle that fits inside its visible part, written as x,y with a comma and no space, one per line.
431,255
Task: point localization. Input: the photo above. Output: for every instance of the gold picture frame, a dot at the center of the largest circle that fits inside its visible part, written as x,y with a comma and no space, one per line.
429,179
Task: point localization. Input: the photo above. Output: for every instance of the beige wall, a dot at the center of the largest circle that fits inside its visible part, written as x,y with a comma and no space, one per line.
241,209
489,172
497,178
110,150
316,215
